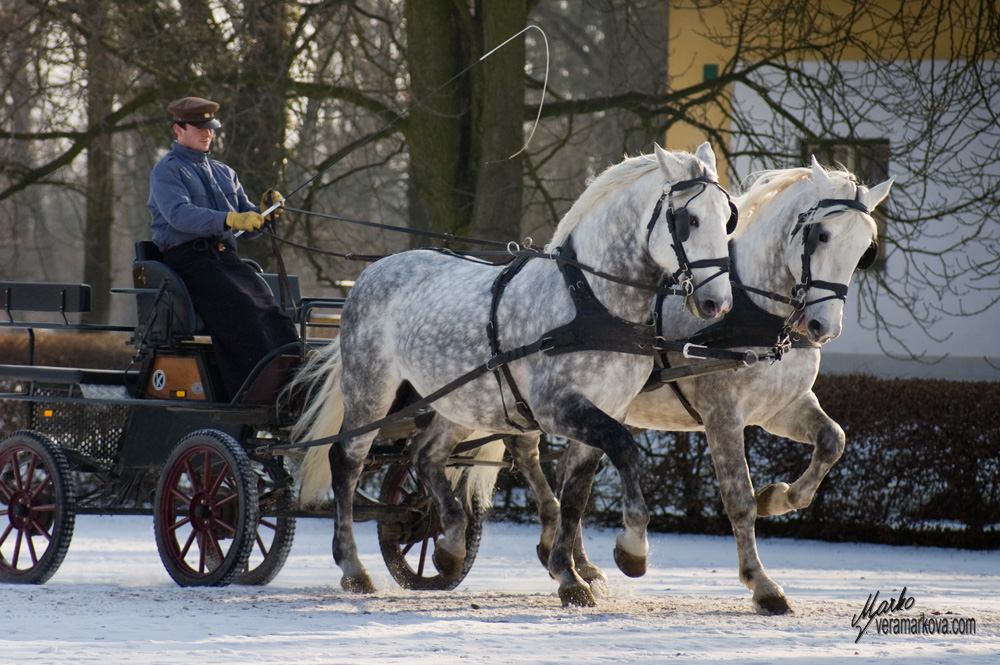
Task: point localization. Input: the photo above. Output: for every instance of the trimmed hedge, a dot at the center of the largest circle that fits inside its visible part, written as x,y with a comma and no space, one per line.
921,466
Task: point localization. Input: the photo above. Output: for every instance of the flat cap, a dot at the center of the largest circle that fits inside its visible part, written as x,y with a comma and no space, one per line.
195,111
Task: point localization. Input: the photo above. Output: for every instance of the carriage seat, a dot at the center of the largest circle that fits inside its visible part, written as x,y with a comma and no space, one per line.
174,317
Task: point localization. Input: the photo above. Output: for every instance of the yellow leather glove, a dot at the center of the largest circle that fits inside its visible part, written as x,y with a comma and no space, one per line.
271,197
244,221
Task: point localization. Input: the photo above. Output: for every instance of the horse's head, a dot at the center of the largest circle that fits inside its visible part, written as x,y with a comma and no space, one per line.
829,241
686,234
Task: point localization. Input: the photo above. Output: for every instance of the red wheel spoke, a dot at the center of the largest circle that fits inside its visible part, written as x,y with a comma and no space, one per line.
18,480
224,473
187,545
17,549
229,499
261,546
7,492
32,465
423,557
270,525
201,554
31,549
178,494
179,524
38,527
231,528
192,476
206,480
6,532
46,481
218,547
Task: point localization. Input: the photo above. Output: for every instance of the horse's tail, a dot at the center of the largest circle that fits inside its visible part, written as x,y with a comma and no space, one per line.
474,484
323,416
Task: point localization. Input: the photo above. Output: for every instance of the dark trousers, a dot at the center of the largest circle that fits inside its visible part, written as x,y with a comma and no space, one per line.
243,318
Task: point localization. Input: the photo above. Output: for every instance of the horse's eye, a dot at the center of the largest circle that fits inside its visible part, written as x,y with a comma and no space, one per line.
694,221
824,236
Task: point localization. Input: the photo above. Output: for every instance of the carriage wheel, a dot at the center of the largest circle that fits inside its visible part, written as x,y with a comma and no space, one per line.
206,510
407,547
37,508
275,533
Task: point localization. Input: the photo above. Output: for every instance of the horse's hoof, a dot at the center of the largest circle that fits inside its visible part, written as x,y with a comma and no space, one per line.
543,553
591,574
772,606
630,564
770,495
358,584
578,595
449,565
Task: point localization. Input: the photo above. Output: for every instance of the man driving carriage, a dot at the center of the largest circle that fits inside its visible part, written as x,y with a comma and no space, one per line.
197,204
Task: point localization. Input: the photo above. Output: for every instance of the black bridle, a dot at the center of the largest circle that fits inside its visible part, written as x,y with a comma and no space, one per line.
679,223
811,237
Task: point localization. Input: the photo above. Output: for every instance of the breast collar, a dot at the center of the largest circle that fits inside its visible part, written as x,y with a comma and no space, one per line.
593,328
747,324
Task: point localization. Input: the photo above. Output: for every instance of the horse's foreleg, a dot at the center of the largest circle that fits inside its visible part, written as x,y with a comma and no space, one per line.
524,452
582,421
726,443
806,422
581,562
576,473
429,451
346,462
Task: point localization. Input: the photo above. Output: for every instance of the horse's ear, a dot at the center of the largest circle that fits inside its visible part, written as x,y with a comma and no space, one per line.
707,155
819,175
666,160
877,194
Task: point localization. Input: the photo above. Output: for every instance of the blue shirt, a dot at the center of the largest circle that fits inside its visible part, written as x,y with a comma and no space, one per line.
190,195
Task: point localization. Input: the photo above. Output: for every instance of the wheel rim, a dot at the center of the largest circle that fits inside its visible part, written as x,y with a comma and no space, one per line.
407,549
200,511
27,509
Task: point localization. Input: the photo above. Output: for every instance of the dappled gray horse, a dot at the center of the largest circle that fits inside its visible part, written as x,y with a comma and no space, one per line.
421,317
802,233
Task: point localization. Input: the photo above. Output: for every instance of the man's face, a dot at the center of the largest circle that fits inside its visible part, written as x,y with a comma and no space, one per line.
192,137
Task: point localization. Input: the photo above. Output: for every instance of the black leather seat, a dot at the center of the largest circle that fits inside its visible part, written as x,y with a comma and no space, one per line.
163,303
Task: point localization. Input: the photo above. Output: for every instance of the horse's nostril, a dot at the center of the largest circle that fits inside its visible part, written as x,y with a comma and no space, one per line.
816,328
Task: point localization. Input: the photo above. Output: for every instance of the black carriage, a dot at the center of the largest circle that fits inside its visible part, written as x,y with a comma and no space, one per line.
155,439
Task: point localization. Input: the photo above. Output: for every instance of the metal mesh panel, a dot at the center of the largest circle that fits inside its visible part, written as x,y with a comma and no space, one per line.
93,429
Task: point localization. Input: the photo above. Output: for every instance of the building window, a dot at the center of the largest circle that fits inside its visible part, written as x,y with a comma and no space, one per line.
868,159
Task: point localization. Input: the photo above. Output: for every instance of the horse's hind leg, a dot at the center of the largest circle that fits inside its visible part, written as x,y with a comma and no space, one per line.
368,392
346,463
524,452
725,439
806,422
429,451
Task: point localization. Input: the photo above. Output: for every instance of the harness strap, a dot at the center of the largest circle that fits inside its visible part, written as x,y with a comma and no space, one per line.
499,284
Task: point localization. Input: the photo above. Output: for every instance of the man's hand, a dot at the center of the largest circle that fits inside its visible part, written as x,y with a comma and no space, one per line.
271,197
244,221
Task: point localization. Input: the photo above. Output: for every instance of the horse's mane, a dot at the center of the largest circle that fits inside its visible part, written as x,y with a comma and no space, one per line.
612,179
769,184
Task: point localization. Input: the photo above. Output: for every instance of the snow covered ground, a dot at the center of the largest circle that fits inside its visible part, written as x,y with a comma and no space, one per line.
112,602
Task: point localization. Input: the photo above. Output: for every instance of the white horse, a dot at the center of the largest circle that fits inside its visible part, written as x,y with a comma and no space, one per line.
432,321
802,233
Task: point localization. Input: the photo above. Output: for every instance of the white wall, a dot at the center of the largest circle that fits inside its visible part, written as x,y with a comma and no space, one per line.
953,344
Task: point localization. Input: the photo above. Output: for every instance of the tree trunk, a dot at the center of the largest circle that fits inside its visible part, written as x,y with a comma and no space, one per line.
438,136
97,268
497,210
254,119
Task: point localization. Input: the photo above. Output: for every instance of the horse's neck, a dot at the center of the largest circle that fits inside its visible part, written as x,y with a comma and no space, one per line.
758,255
620,252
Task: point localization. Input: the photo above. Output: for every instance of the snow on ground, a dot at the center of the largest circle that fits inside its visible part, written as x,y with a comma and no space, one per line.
113,602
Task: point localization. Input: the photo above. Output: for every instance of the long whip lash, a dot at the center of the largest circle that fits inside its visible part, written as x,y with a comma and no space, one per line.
433,92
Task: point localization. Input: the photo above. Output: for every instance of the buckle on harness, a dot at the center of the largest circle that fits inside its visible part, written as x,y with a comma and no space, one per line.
688,347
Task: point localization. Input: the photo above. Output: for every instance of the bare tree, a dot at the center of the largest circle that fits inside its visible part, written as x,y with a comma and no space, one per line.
382,110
